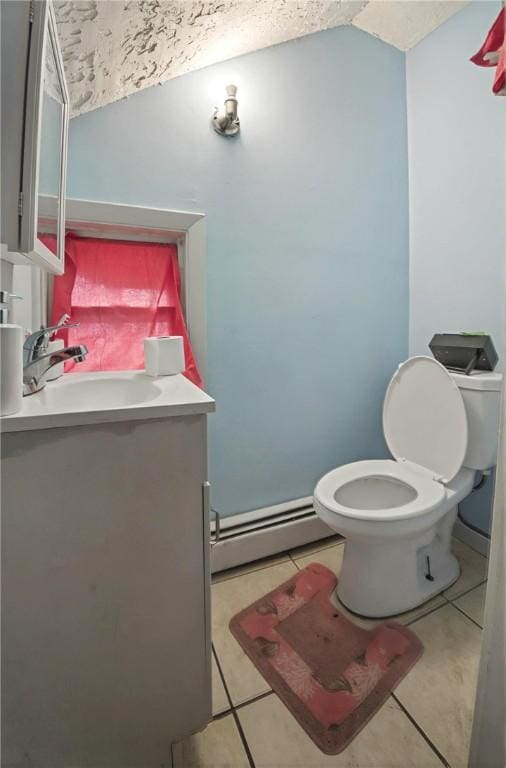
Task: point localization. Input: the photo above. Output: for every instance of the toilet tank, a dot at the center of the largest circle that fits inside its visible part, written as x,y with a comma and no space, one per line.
481,393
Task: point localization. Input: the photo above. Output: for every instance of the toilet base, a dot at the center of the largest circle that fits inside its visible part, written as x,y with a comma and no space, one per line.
394,575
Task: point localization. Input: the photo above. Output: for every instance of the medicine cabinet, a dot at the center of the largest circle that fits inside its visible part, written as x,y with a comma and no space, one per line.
35,114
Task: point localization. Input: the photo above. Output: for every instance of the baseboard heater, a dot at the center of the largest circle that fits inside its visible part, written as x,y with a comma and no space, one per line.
249,536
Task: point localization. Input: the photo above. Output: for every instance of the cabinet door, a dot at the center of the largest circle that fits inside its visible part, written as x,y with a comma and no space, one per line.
105,593
15,38
45,144
34,134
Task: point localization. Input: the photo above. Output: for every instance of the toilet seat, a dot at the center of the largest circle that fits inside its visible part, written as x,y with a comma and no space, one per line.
425,427
424,418
428,493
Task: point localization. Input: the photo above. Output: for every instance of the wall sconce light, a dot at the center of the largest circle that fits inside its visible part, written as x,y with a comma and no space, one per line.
227,123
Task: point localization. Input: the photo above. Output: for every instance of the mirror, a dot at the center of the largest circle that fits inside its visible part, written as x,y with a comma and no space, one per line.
50,151
53,119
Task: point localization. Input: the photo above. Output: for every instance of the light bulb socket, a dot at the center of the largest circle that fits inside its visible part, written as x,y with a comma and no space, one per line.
227,123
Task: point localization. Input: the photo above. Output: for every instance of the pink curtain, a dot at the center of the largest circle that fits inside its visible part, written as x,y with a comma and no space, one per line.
120,292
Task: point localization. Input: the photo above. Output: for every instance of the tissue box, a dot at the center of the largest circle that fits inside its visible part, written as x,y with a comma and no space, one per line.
164,355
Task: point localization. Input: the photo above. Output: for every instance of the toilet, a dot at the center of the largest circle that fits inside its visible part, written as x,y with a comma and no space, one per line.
397,514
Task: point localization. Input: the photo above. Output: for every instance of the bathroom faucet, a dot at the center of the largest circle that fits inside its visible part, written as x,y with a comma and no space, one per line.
37,361
35,373
36,344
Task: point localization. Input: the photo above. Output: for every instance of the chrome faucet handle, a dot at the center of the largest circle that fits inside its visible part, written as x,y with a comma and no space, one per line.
61,322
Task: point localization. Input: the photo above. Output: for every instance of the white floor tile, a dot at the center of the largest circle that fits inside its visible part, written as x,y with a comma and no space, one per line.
256,565
228,598
473,603
314,546
389,740
439,691
473,569
220,700
218,746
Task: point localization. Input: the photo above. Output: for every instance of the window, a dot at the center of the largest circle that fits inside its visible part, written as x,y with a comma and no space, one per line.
120,292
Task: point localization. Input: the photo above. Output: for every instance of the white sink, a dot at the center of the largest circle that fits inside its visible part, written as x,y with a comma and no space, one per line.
93,398
109,391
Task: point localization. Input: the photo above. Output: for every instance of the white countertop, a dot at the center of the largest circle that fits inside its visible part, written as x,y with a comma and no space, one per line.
76,399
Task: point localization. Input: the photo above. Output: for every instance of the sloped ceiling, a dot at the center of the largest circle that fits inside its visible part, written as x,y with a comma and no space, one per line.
113,48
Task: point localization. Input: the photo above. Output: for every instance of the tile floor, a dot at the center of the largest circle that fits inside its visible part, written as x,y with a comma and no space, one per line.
425,722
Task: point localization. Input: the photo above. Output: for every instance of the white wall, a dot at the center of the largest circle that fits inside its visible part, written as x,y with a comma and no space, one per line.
456,139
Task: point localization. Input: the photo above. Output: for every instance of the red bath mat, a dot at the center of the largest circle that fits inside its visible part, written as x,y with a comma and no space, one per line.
332,675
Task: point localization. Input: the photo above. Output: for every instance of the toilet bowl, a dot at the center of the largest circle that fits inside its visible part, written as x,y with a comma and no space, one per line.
397,514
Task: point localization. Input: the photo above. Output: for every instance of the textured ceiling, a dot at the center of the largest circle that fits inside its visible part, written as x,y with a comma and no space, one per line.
113,48
404,24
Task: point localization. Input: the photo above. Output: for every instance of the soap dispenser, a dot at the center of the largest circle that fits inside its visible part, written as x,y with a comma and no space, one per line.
11,359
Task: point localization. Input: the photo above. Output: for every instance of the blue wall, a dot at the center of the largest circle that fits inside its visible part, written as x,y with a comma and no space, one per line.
456,130
308,245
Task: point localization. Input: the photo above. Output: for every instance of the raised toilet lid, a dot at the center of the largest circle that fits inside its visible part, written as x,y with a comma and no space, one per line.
424,417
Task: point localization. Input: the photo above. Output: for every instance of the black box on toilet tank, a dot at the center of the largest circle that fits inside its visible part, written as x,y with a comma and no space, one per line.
463,352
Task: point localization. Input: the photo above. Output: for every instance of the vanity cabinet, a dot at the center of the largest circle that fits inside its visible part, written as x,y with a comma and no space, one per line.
106,650
34,122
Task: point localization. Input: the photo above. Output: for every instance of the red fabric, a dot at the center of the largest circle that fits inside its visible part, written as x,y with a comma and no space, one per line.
493,53
499,86
488,55
120,292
